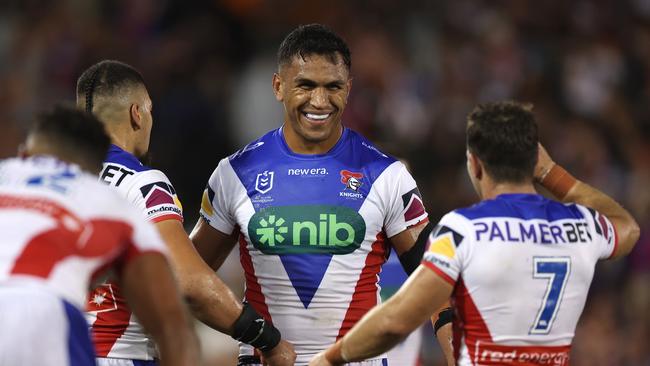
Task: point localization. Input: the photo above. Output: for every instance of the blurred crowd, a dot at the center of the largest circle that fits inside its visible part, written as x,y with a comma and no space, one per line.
418,66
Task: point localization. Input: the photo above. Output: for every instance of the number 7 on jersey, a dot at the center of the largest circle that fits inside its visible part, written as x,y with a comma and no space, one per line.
556,271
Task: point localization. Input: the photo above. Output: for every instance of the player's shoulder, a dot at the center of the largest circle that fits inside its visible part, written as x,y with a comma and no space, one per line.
521,206
118,156
361,153
366,151
123,170
256,148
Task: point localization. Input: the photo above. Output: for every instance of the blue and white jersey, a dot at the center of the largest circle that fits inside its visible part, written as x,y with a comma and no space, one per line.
521,265
115,330
60,230
312,231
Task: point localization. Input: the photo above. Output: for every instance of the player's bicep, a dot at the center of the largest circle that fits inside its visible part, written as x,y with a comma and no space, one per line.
211,244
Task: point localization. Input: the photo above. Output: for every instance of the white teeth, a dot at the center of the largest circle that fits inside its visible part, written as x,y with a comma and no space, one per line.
318,117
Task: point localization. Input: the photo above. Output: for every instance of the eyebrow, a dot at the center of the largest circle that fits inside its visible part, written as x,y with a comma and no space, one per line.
300,80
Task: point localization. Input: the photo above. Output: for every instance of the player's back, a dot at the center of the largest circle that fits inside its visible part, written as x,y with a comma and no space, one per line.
522,266
60,227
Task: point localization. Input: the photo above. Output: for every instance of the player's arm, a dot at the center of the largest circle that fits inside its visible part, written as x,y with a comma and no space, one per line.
209,299
150,289
569,189
249,327
211,244
388,324
442,327
409,246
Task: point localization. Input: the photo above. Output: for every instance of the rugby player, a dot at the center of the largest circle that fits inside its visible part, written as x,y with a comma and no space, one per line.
115,92
60,227
313,206
517,265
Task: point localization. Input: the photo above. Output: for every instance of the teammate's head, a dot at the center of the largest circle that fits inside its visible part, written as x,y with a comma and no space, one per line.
115,92
70,135
503,137
313,83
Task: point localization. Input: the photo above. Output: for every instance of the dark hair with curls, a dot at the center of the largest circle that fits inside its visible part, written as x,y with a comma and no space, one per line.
503,135
75,135
314,39
105,78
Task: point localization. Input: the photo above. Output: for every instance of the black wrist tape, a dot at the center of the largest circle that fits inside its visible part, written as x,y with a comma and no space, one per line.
252,329
444,317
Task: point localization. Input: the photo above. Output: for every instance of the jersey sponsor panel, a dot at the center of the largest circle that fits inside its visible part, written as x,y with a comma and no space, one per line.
313,231
521,266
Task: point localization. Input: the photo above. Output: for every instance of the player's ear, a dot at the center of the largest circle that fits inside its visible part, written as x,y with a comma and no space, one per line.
475,166
277,87
136,117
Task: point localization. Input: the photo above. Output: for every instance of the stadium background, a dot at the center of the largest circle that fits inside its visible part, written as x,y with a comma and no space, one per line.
418,69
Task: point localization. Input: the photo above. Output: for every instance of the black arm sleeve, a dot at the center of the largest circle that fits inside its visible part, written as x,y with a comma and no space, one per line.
411,259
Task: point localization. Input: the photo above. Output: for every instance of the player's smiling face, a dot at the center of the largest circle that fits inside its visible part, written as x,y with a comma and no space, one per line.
314,91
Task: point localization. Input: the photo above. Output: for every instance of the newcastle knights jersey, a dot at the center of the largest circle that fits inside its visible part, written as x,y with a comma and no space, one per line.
521,266
312,231
60,227
115,331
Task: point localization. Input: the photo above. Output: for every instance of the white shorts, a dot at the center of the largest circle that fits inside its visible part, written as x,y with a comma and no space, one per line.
39,328
124,362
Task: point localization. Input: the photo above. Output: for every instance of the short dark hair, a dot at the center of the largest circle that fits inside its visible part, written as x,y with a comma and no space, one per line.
503,135
78,135
105,78
313,39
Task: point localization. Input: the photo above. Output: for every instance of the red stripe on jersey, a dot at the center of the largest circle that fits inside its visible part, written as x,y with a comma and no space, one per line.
439,272
167,217
365,292
110,324
97,238
468,322
254,294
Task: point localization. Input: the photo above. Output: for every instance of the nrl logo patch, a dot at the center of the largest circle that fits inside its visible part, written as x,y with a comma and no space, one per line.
264,182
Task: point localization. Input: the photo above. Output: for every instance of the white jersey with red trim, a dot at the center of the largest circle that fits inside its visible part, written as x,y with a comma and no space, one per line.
312,232
60,227
116,332
521,266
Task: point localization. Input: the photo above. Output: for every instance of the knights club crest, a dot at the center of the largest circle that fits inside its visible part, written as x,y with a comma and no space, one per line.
351,180
264,182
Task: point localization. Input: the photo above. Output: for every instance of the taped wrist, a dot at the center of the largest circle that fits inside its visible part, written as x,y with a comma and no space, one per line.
444,317
558,181
252,329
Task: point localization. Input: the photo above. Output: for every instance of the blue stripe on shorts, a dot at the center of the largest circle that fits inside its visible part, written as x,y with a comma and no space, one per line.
80,347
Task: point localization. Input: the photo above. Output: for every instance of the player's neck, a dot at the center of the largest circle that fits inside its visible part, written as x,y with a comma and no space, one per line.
299,145
492,189
121,140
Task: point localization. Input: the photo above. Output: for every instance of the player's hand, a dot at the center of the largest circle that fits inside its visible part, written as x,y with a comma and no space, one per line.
320,360
544,163
281,355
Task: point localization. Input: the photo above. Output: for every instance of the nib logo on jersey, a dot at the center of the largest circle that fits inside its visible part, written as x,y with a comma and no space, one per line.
352,181
305,238
306,229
